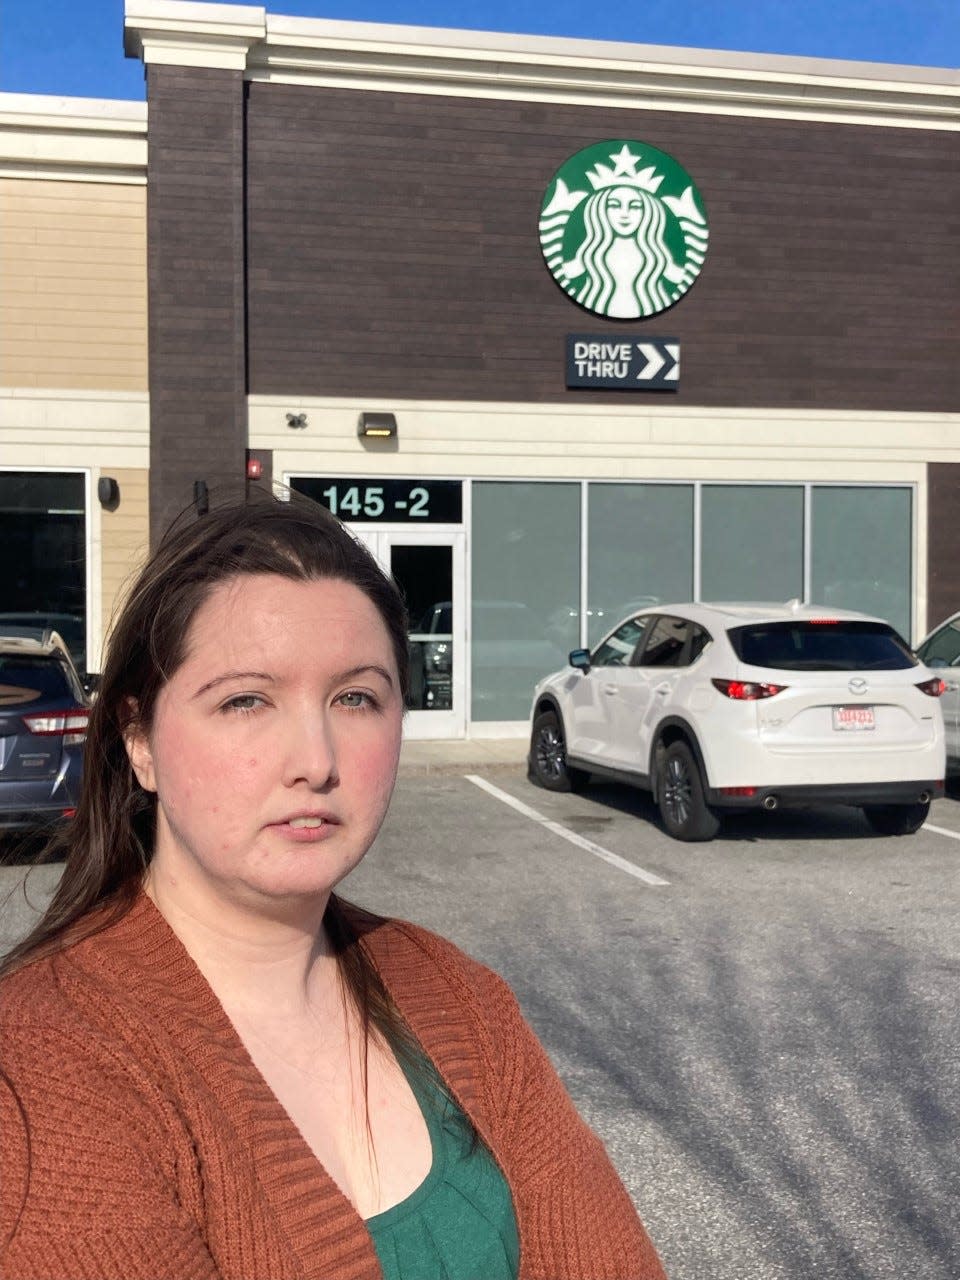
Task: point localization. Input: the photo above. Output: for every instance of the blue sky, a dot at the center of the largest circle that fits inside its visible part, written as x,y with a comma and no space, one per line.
75,47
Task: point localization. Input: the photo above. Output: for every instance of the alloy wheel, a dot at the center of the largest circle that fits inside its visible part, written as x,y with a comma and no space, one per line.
678,791
550,753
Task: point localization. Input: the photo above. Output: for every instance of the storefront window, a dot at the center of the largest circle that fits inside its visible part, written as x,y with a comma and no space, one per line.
43,535
861,552
751,540
525,591
526,573
640,550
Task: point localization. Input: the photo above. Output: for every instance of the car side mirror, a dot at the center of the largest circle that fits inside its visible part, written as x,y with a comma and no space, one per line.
580,658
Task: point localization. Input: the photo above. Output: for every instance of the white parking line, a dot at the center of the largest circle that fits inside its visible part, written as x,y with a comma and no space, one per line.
597,850
941,831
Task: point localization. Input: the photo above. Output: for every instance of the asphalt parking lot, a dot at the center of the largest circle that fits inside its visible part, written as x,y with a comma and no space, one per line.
763,1029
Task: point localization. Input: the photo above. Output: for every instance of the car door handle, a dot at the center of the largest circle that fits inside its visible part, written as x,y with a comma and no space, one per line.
663,689
611,689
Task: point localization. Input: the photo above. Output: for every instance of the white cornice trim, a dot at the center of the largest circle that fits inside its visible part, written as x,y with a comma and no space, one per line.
73,139
116,115
399,59
631,79
171,33
498,46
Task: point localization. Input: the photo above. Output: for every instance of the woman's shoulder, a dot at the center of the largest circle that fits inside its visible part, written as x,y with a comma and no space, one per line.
65,1037
110,974
393,940
411,957
31,993
65,992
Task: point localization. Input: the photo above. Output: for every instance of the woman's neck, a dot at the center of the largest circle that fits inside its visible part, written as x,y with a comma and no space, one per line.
268,958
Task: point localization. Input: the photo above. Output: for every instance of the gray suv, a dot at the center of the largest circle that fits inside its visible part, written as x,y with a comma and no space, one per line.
43,726
940,651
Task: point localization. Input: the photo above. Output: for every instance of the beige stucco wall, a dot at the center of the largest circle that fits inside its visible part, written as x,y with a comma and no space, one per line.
73,306
125,535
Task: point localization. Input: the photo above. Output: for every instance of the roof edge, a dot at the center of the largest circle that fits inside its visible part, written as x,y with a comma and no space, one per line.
73,139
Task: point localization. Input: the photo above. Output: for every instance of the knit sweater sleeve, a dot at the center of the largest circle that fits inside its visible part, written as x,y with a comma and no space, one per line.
576,1217
90,1181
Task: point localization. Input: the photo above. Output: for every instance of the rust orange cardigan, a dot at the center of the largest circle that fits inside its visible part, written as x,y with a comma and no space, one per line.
139,1142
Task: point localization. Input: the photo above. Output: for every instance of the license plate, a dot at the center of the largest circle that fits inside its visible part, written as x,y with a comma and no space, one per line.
854,718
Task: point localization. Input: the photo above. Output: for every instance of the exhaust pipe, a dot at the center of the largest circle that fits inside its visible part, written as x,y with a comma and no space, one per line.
770,802
925,796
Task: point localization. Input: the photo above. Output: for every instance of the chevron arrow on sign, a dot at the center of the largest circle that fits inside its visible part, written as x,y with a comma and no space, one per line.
655,361
656,355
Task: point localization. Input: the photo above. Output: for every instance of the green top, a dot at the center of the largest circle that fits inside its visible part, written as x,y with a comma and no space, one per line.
459,1224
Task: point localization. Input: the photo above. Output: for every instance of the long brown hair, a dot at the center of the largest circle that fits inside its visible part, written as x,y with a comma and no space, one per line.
109,844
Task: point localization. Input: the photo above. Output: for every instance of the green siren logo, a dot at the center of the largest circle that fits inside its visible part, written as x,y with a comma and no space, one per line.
623,229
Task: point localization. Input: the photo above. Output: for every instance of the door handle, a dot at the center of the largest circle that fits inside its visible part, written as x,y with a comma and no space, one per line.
663,689
611,689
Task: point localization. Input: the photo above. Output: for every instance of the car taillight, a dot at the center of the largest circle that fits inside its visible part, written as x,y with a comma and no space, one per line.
933,688
71,725
747,690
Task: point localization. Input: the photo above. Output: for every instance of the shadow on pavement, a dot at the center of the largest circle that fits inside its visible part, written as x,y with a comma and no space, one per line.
816,1109
816,822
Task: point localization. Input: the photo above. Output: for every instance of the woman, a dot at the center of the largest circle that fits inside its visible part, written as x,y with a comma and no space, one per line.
213,1068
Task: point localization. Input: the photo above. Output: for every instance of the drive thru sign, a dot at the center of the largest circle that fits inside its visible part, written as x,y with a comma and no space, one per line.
621,363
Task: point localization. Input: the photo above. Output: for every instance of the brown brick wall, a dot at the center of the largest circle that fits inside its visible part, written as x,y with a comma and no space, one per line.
198,422
393,251
943,541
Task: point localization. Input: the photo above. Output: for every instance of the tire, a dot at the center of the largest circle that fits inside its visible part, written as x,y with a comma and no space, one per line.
548,757
683,808
897,819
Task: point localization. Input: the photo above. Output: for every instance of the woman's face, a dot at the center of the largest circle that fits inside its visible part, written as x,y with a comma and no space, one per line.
274,746
625,211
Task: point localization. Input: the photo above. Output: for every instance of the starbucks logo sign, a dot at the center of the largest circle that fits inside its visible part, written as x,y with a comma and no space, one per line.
623,229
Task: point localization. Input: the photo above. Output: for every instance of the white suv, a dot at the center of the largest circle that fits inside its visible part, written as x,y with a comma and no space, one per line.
720,706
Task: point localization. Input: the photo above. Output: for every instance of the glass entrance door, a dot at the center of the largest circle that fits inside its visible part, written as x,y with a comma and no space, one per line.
429,568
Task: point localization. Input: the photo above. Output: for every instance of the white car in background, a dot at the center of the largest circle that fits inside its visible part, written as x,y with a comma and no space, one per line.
731,706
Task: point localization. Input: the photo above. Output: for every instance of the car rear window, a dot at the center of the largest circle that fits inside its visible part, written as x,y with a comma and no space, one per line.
822,646
26,680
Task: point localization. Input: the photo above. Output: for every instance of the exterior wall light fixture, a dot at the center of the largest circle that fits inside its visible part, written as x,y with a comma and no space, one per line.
108,492
296,420
377,426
